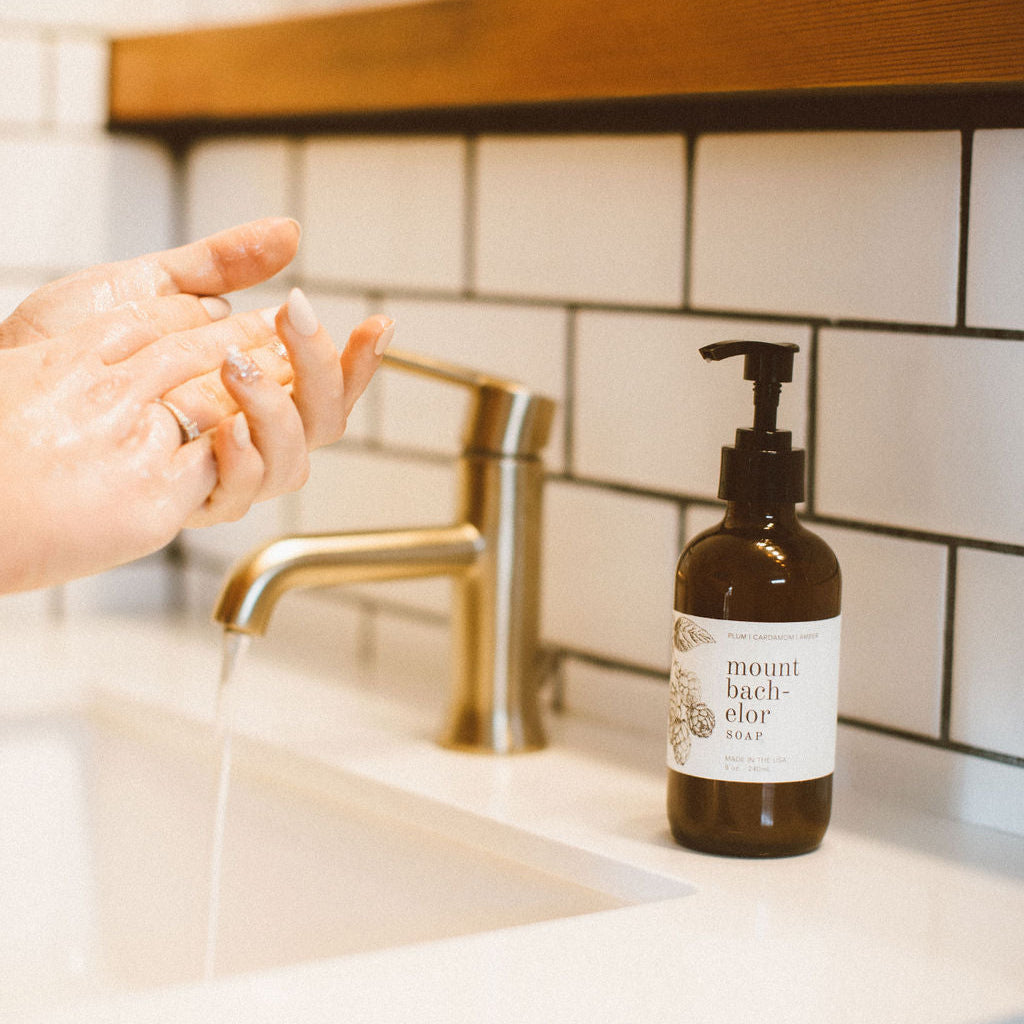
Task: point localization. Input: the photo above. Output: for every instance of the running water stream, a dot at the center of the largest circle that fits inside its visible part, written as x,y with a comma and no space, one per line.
235,647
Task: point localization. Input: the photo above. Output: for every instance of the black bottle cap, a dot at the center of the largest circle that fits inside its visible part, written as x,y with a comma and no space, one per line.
763,467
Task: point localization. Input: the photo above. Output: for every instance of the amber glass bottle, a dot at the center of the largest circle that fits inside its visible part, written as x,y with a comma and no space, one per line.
755,663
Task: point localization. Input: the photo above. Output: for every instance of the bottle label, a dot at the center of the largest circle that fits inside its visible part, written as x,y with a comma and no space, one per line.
753,701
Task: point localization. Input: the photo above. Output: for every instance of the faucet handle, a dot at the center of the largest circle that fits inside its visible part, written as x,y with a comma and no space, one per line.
506,417
439,369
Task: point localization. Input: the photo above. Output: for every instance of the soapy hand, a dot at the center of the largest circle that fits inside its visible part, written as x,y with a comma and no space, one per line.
96,469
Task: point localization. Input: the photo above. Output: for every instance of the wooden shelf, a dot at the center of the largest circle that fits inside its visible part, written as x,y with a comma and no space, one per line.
464,54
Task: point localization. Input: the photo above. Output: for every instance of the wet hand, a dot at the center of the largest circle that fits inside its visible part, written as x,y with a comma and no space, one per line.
99,469
225,262
262,450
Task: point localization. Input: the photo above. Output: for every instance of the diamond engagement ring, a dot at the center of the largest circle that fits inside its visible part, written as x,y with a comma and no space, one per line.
189,427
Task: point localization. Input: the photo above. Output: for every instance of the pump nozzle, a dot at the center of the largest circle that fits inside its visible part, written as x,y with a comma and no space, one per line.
763,464
765,362
767,365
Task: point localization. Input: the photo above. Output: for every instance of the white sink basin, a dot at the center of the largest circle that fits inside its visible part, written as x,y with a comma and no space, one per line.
108,814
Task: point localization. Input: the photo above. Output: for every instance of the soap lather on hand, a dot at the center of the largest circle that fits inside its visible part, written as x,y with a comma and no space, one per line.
135,403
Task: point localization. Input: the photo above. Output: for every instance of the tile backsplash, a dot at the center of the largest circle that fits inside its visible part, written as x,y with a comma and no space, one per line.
589,218
593,266
859,225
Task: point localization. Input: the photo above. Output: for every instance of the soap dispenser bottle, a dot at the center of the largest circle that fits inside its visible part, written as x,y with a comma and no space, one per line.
755,663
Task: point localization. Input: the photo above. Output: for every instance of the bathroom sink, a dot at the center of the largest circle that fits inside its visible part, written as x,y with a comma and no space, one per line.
108,811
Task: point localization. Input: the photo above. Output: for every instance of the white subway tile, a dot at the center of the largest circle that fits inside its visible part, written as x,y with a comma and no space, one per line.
313,631
340,314
71,202
12,295
350,489
24,60
651,413
82,73
55,202
931,779
224,543
582,217
626,701
608,574
142,587
384,212
861,225
233,180
115,15
995,283
988,650
414,662
523,343
422,413
893,629
200,587
140,218
50,12
358,490
922,432
267,296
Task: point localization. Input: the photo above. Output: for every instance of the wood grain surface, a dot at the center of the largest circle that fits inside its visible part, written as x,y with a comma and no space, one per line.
466,53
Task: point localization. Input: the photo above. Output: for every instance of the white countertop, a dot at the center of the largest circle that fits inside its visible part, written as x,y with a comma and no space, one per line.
897,917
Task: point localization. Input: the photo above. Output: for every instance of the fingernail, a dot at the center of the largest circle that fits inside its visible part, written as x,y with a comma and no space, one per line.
242,365
298,226
217,308
300,314
385,336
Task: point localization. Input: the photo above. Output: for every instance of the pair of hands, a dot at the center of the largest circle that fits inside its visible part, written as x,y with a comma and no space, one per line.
93,468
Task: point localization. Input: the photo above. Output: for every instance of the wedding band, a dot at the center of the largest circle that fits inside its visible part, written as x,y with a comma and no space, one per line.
189,427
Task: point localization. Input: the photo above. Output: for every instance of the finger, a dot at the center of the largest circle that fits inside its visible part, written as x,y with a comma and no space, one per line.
191,479
119,334
237,258
188,429
227,261
318,388
176,358
363,353
167,425
239,475
207,401
274,424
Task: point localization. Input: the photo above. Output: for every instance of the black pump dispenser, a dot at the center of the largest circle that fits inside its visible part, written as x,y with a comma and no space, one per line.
763,467
750,760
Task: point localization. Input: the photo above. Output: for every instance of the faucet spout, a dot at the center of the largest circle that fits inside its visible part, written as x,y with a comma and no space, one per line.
259,580
492,554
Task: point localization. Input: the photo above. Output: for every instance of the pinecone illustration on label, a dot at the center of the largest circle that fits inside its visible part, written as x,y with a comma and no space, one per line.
687,635
688,715
679,737
688,686
702,720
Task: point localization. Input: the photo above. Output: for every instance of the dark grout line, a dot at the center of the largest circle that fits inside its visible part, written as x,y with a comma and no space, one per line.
966,155
948,641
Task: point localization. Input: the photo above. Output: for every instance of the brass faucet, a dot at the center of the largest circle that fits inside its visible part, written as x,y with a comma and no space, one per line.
492,552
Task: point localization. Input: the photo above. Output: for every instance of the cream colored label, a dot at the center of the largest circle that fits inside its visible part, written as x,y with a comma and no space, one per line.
753,701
